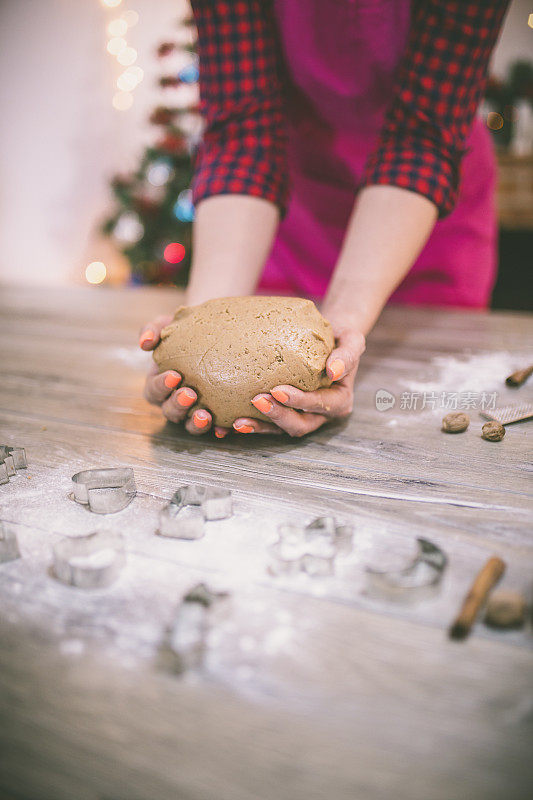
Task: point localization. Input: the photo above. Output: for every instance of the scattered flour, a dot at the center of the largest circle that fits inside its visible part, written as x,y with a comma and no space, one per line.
470,373
132,356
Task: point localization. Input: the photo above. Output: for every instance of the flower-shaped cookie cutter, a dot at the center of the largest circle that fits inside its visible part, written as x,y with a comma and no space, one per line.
420,576
89,562
9,548
189,507
312,548
11,460
104,491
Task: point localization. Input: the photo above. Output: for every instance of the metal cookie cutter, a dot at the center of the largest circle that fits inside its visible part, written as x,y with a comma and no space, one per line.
312,549
104,491
185,643
9,548
89,562
183,517
11,459
422,575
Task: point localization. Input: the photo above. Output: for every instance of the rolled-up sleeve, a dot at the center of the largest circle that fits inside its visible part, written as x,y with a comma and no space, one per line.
440,82
243,150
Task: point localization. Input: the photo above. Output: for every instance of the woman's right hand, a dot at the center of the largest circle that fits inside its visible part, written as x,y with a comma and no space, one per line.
163,388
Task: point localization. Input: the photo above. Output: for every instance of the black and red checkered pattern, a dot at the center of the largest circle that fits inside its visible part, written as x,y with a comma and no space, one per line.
244,143
440,82
439,85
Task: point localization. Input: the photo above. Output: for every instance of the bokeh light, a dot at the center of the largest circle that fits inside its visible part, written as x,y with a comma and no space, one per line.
111,3
183,207
137,71
190,73
174,253
117,27
117,45
127,56
95,272
127,80
122,101
131,18
159,173
129,228
494,121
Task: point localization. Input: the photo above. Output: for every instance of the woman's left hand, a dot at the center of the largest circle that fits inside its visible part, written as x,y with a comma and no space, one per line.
298,413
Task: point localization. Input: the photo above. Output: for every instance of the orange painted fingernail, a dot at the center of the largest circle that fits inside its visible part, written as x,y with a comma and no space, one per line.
337,368
220,434
147,336
262,404
200,419
280,396
171,381
185,397
243,428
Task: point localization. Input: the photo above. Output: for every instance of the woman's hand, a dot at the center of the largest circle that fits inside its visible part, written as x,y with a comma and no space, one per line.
163,388
297,413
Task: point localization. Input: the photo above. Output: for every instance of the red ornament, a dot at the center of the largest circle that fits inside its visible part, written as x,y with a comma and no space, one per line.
173,143
174,253
162,115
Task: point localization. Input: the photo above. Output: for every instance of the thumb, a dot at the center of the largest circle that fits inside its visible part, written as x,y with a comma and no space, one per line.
150,334
345,357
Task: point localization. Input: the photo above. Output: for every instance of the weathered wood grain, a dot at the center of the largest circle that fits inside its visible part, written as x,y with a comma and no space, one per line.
311,689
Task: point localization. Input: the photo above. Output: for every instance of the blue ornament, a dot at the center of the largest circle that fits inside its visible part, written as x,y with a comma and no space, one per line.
189,74
183,207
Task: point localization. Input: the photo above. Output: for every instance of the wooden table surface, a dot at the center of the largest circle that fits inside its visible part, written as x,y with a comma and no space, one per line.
311,688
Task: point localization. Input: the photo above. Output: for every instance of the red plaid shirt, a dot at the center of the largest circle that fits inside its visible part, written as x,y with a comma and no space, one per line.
438,87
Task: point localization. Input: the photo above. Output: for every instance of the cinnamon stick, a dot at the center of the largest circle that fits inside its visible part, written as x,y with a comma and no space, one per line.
485,580
519,377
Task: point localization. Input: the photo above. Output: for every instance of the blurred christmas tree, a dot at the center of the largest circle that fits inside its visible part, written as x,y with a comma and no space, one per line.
151,224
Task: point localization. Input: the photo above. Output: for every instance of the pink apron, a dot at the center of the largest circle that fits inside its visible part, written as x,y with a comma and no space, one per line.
341,57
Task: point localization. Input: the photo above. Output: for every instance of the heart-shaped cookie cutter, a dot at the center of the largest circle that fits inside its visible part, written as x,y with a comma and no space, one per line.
420,576
89,562
189,507
104,491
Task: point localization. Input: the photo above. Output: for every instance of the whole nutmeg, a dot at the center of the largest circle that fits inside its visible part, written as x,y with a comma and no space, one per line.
506,609
455,422
493,431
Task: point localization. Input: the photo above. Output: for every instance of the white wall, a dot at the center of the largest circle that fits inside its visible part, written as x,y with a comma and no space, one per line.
60,138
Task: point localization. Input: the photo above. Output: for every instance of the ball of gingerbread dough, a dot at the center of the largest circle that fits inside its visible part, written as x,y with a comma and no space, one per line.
230,349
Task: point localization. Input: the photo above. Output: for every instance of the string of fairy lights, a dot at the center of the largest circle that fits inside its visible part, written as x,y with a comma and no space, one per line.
130,75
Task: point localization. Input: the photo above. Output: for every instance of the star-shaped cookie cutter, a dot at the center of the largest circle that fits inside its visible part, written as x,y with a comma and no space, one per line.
9,548
312,548
420,576
189,507
11,460
89,562
104,491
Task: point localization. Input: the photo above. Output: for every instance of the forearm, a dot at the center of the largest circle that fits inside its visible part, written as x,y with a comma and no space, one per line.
232,237
387,230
